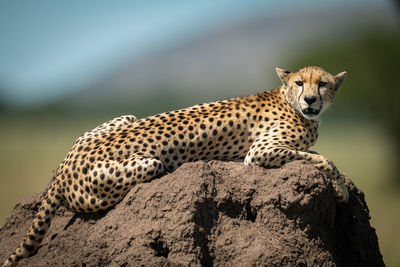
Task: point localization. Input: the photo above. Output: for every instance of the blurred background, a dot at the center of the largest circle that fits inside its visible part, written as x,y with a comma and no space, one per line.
67,66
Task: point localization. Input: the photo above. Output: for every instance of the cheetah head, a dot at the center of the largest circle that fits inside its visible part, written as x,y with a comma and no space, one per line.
310,90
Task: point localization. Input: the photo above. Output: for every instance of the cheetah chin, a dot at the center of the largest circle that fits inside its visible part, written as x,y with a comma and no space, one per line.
310,113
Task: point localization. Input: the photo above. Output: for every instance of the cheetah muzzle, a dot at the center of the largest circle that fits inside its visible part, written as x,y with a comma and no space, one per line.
267,129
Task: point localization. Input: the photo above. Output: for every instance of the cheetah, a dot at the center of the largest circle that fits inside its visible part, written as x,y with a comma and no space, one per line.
268,129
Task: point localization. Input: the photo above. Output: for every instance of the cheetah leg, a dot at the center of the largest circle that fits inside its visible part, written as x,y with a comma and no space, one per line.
327,166
276,156
109,181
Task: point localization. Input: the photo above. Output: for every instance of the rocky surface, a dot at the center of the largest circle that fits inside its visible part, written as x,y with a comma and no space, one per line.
210,214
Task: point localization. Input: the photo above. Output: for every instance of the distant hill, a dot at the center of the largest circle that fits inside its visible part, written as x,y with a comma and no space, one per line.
233,60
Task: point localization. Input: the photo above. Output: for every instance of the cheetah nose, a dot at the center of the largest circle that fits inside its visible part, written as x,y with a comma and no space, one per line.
310,99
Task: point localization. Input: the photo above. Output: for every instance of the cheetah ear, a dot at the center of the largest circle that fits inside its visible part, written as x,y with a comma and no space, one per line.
283,75
339,78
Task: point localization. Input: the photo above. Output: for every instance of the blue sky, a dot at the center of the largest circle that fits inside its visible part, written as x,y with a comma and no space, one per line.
51,47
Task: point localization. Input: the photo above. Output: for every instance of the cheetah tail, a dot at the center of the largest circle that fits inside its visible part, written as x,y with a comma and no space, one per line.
39,227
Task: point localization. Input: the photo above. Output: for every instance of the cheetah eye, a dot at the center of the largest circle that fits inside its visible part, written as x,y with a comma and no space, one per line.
299,83
322,84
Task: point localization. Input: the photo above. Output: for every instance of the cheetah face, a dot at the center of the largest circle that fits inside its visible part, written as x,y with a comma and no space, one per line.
310,90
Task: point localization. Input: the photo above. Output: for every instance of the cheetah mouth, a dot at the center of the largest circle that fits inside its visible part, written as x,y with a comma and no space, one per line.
310,112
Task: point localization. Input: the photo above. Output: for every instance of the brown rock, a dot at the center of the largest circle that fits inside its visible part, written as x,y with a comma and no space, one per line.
210,213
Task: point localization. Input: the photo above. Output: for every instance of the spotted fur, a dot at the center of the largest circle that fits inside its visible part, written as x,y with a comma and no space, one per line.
267,129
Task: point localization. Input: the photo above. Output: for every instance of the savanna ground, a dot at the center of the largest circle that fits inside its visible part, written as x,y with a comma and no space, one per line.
33,146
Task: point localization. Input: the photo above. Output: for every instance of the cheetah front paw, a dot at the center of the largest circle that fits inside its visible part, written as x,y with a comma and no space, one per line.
340,190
